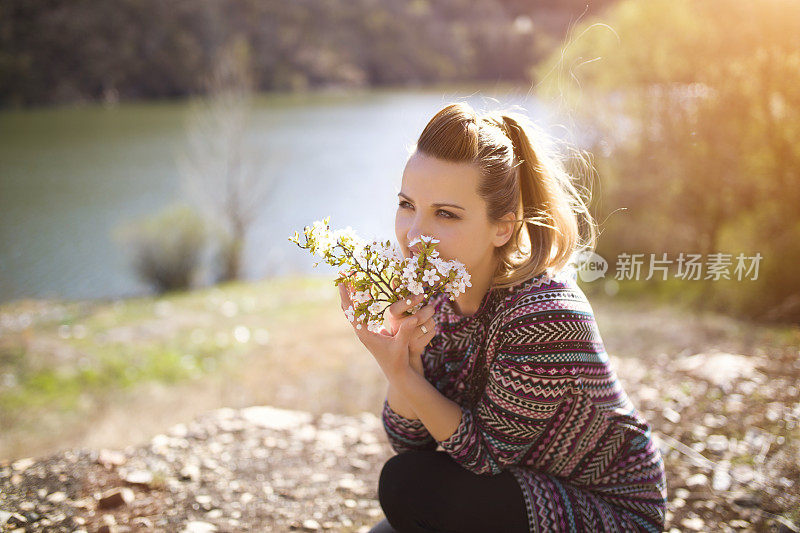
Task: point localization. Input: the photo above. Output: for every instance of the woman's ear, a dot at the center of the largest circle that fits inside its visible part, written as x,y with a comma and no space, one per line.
505,229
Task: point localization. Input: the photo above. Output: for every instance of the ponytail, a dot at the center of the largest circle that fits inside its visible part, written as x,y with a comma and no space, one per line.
549,210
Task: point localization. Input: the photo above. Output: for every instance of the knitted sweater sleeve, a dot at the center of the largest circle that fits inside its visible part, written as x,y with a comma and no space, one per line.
405,434
526,387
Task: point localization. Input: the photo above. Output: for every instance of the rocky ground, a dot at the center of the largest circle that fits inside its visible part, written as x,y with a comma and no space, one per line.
722,396
730,467
251,469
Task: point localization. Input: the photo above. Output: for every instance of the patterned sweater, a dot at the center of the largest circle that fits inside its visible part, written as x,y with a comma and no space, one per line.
540,399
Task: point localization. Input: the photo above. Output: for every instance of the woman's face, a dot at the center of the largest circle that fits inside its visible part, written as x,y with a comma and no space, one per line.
438,198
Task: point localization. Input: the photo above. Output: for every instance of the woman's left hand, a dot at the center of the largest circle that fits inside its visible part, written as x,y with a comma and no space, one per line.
391,351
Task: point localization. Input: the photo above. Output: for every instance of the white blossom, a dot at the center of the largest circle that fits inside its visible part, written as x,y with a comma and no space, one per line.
409,274
441,265
347,234
416,287
359,297
396,255
430,276
344,249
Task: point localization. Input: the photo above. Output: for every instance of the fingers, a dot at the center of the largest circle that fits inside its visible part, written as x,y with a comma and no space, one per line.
426,318
344,295
430,326
397,310
421,340
425,315
407,328
347,304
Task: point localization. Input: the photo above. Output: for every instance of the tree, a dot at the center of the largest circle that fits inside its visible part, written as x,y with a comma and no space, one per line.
222,173
694,105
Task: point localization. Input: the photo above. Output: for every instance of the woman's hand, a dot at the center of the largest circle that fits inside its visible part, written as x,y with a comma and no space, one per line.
419,340
391,349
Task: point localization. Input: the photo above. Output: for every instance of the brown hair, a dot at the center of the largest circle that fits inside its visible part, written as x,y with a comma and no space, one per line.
519,175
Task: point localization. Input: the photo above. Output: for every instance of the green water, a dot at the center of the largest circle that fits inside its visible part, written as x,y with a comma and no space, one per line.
70,176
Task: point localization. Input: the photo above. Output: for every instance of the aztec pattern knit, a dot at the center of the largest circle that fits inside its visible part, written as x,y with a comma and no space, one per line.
550,409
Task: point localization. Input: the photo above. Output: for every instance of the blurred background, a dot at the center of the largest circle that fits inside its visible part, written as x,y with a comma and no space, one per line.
156,156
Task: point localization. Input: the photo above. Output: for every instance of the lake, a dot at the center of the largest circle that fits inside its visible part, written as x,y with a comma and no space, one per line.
70,176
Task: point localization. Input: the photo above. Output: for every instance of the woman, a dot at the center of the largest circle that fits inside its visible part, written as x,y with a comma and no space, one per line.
511,379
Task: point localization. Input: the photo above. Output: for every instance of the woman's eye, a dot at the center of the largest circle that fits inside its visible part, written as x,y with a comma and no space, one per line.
405,205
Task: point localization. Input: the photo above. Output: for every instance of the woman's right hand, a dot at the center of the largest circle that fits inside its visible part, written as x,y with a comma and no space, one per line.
397,311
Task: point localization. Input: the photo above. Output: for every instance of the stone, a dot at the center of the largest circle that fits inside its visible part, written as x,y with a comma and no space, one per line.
139,477
198,526
23,464
694,524
143,521
115,497
682,493
27,506
56,497
721,480
359,463
717,443
190,472
696,480
110,458
15,519
205,501
311,524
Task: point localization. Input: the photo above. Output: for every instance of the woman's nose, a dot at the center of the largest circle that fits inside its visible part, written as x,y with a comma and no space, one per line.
412,236
419,227
415,232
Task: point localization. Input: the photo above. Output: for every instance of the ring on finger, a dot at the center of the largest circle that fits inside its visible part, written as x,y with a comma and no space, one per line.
424,329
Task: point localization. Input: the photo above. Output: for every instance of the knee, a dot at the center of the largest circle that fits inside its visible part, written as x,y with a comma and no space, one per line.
392,482
397,489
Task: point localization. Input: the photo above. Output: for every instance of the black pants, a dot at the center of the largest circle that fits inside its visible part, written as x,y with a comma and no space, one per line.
427,491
